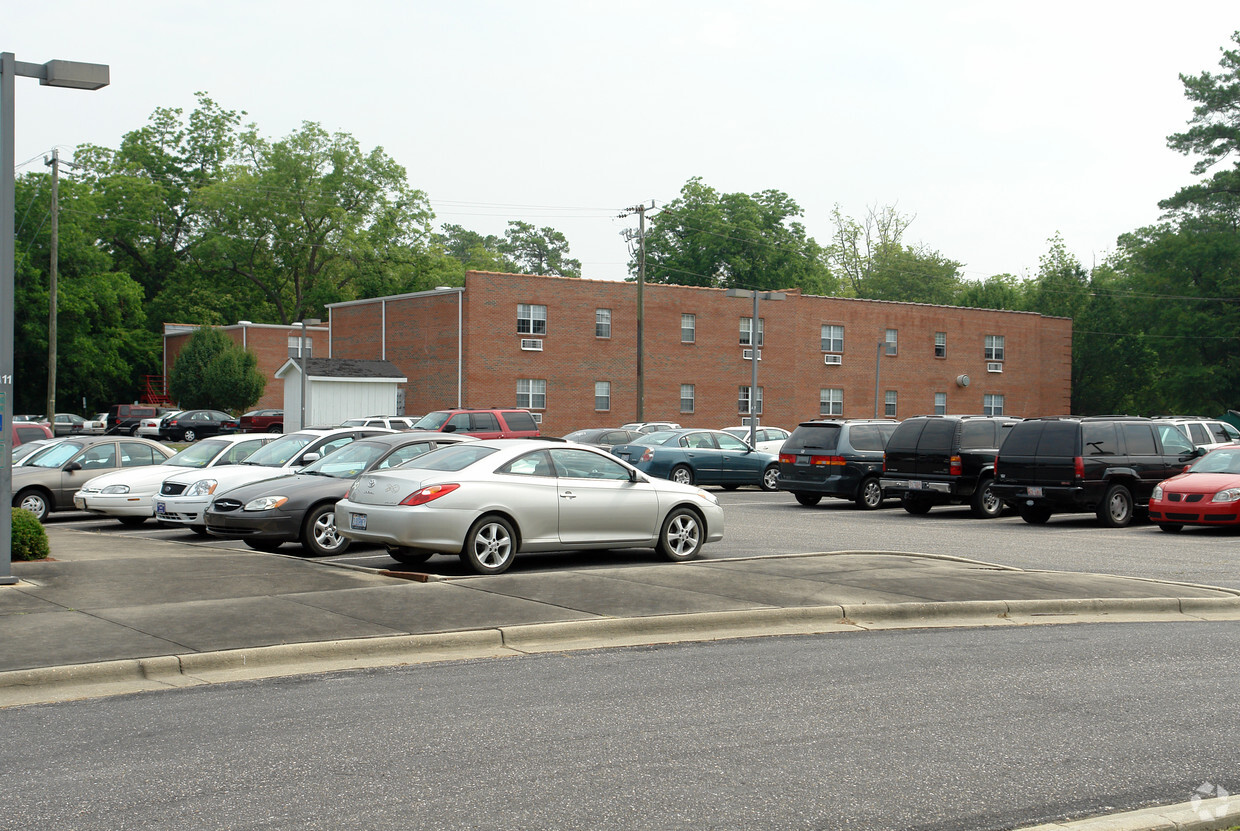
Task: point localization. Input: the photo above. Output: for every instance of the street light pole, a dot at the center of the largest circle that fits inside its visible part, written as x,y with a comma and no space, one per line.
74,75
301,356
753,352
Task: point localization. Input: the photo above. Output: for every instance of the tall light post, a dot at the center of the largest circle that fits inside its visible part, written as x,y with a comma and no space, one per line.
301,355
74,75
753,352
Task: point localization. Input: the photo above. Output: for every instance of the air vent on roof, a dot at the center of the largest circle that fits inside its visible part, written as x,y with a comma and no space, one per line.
994,366
833,360
531,344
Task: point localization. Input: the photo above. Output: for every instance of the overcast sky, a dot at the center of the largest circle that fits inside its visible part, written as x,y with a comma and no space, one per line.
995,124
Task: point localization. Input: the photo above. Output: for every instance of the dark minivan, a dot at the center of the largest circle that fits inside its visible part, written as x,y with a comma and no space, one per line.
1105,464
842,458
945,460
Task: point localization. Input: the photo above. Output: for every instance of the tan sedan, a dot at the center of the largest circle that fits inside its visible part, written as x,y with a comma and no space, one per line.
49,479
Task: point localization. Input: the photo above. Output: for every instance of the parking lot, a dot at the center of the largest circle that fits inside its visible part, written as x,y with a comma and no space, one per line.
773,523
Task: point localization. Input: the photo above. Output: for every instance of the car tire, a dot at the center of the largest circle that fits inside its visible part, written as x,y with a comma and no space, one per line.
35,501
131,521
681,537
985,505
1170,527
200,530
770,478
267,546
1035,514
189,435
275,428
915,505
318,532
133,431
490,545
408,556
809,500
1116,508
869,494
682,474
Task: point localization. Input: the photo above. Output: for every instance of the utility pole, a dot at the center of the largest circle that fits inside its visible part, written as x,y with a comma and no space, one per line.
640,210
50,409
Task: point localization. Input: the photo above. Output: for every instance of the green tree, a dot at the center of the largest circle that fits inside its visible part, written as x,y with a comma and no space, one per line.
877,265
212,371
538,250
1000,291
474,251
733,240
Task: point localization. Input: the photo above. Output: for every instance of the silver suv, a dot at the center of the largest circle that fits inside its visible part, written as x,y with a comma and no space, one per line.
1207,433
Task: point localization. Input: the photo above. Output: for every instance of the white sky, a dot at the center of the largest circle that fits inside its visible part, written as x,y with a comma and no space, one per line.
996,124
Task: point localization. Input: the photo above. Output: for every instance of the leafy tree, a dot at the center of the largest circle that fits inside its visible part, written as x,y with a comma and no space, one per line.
1000,291
212,371
538,250
733,240
877,265
473,250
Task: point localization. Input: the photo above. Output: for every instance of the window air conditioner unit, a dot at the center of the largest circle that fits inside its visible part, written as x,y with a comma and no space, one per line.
833,360
994,366
747,355
537,417
531,344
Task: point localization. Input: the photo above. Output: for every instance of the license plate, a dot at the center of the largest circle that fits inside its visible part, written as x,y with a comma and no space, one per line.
357,522
160,509
914,485
802,461
1033,491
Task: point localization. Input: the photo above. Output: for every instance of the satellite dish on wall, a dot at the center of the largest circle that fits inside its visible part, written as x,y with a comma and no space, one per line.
962,380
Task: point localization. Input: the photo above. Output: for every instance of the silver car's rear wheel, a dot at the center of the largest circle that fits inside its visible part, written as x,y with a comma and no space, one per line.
680,538
490,545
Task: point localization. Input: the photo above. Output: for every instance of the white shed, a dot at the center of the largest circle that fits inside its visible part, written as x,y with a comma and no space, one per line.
338,389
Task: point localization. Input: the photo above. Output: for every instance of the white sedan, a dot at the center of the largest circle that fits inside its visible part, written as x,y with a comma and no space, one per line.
485,501
769,439
129,494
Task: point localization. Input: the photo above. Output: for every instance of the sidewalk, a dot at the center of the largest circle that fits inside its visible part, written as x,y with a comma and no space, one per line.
160,614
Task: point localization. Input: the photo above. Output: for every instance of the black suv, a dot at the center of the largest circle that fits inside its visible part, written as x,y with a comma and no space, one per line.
945,460
1105,464
835,457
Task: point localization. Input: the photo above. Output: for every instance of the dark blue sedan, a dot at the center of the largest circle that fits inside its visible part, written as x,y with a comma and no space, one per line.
701,457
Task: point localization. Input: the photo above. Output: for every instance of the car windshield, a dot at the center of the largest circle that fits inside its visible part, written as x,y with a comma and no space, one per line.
198,455
661,437
1224,460
431,421
583,435
280,451
454,457
349,461
55,455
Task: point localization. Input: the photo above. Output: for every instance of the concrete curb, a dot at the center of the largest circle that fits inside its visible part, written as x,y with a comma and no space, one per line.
62,683
1202,815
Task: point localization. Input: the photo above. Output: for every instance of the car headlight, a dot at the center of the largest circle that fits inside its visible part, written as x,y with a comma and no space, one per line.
115,489
1157,494
265,503
708,496
202,487
1229,495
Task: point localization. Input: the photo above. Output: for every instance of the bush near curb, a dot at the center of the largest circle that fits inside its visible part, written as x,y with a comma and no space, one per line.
29,537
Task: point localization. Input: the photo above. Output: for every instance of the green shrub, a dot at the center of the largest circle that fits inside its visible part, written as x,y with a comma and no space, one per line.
29,536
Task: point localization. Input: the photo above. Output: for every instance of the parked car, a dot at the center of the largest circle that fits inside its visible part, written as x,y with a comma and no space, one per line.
1207,493
390,422
841,458
483,424
125,418
64,424
650,426
302,507
701,457
52,476
95,426
191,425
604,438
24,452
149,427
21,432
1206,433
1105,464
487,501
129,493
183,497
945,460
262,421
769,439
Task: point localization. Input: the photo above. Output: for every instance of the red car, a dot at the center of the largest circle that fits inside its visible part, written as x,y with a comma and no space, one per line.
262,421
1206,493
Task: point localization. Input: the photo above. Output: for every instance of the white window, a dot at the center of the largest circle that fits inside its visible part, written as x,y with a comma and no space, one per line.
602,395
831,402
688,328
994,347
531,320
602,323
294,346
832,338
531,394
742,401
940,344
889,404
891,341
992,405
746,326
940,403
686,397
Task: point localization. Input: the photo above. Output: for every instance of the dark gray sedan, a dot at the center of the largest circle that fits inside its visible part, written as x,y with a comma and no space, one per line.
301,507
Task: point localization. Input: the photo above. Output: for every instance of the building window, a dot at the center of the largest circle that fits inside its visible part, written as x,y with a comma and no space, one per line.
742,400
940,344
992,405
832,338
294,346
602,323
940,403
531,320
889,404
891,341
686,397
831,402
531,394
602,395
746,326
688,328
994,347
